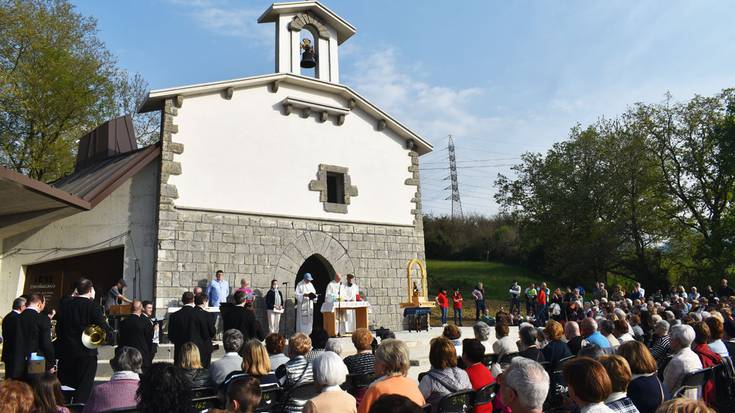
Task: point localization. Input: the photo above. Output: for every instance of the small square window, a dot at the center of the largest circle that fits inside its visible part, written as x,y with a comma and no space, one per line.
335,188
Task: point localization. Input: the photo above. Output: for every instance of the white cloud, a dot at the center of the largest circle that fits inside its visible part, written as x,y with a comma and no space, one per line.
224,18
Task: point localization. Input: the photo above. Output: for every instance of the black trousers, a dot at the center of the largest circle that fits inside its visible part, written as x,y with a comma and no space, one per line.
78,372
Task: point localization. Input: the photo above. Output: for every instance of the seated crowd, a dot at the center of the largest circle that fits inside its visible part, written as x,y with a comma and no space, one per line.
618,355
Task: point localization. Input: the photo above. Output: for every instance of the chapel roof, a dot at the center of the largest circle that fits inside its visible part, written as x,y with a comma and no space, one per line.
156,98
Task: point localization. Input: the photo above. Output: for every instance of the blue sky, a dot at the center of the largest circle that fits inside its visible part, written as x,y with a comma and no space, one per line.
503,77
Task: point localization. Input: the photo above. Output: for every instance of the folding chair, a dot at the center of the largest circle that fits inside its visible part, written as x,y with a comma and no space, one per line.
693,382
270,398
485,394
458,402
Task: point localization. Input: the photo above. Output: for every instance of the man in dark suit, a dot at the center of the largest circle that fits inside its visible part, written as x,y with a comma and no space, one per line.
208,320
77,363
187,325
240,318
34,335
10,337
136,331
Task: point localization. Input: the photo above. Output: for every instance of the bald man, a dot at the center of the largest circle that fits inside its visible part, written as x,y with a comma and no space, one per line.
137,332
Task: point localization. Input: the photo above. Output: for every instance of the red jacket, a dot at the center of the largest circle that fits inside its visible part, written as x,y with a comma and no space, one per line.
441,298
708,358
541,297
457,300
480,376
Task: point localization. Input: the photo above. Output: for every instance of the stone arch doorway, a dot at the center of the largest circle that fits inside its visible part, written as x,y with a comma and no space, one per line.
295,254
323,274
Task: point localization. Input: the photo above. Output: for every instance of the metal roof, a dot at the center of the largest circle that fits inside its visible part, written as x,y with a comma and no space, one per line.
28,203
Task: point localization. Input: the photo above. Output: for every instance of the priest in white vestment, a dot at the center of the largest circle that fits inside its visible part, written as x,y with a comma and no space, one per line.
305,298
350,292
335,294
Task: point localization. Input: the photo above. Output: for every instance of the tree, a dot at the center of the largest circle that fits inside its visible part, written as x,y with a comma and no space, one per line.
57,82
694,145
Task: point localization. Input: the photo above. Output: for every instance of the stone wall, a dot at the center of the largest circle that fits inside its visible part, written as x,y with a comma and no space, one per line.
259,249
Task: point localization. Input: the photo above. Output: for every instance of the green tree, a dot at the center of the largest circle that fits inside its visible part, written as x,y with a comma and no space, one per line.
694,145
57,82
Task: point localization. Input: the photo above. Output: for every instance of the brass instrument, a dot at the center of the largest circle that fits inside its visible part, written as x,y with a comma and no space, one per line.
53,330
93,336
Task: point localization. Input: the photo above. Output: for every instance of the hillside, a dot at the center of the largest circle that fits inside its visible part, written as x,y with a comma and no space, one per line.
497,278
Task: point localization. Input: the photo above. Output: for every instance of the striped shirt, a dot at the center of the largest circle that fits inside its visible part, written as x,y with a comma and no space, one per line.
362,363
297,370
660,348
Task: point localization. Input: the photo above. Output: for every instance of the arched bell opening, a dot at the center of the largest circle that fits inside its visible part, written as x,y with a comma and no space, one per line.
309,44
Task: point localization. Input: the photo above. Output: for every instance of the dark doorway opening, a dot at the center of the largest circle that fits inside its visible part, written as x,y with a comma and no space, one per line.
323,274
55,279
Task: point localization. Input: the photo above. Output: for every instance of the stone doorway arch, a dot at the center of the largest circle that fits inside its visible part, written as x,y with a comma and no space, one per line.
296,253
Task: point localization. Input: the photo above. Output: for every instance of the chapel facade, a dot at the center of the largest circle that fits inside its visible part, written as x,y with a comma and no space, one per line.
273,176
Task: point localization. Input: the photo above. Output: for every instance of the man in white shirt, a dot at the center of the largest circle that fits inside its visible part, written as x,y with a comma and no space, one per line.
305,298
684,361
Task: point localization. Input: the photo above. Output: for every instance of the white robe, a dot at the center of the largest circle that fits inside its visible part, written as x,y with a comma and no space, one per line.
334,290
350,294
304,307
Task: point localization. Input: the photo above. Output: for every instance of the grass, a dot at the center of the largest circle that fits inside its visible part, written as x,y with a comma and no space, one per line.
496,278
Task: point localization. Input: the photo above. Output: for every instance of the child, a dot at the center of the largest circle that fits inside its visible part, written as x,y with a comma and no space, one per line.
457,301
443,302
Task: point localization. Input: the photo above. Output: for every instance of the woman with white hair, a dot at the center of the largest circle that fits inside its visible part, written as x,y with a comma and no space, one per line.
329,372
524,386
684,361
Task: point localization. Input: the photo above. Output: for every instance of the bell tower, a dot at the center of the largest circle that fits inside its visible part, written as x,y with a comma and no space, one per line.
327,29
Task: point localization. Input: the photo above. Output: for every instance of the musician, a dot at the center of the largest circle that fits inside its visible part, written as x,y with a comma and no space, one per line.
201,303
240,318
10,337
33,336
77,363
185,325
305,299
136,331
115,295
150,316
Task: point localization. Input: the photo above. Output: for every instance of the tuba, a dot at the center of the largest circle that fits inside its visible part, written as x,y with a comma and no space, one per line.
93,336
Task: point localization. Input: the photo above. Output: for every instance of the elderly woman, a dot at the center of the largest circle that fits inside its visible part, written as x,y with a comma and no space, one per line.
119,392
619,373
684,360
661,342
191,363
588,384
708,357
298,370
364,361
717,332
391,364
482,333
329,373
275,344
556,349
645,389
444,377
504,344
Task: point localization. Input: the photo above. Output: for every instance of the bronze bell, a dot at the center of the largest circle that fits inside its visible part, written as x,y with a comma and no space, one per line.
308,57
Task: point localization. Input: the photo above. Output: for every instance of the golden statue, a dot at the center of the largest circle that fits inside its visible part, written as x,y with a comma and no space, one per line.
417,294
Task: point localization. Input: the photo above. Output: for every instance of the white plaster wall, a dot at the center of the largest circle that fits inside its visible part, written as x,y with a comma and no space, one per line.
245,155
132,207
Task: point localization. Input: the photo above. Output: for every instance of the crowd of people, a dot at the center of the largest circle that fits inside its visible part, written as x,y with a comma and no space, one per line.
617,351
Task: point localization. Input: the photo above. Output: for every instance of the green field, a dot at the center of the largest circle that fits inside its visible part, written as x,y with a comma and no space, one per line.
496,277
